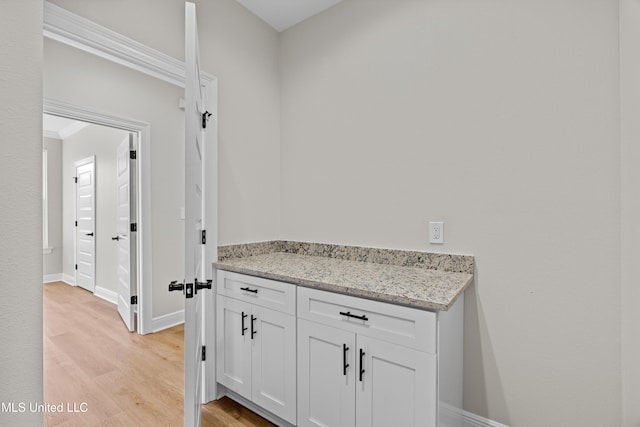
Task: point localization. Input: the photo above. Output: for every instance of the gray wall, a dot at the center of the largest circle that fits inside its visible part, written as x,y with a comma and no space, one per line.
501,119
101,142
21,207
52,262
630,155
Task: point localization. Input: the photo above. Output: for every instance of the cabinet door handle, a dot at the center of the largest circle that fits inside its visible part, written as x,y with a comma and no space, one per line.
243,327
253,331
247,289
348,314
361,364
345,365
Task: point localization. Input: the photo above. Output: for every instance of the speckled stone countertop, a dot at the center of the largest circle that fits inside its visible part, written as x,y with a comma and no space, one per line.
397,278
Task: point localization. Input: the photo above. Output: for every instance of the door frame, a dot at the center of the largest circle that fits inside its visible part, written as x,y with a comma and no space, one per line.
73,30
76,165
143,193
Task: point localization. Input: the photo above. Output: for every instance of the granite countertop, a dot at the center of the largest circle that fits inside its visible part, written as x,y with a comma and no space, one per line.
408,285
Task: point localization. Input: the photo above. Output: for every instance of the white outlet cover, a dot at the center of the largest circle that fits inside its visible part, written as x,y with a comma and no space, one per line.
436,232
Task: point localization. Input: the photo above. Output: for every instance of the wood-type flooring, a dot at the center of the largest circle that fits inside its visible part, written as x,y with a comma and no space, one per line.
100,374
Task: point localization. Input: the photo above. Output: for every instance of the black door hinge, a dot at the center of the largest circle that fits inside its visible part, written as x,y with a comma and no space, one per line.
76,223
134,299
132,155
75,179
76,266
204,353
205,118
134,227
204,237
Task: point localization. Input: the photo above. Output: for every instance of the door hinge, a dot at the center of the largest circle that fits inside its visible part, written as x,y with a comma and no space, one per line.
76,223
204,237
75,179
134,227
134,299
204,353
205,118
76,266
132,155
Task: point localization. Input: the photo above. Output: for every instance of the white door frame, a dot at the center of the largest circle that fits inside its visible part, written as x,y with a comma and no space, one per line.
143,193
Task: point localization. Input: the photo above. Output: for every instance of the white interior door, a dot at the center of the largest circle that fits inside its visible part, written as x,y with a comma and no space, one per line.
84,172
126,238
194,223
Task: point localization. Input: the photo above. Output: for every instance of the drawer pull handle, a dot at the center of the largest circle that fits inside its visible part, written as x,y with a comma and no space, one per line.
255,291
361,364
348,314
253,331
345,365
243,327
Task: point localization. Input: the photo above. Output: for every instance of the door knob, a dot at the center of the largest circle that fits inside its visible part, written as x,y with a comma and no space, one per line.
115,238
89,234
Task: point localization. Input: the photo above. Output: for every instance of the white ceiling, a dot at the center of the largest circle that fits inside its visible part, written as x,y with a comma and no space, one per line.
59,127
282,14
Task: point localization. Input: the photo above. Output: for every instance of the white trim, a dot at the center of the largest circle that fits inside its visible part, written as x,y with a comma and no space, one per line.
61,25
45,202
106,294
51,134
167,321
71,130
143,129
68,279
473,420
50,278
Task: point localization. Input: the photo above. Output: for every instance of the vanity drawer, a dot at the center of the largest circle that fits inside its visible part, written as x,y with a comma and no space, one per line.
256,290
392,323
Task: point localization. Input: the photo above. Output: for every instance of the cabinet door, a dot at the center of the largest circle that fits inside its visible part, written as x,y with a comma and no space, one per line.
274,362
397,387
233,345
326,376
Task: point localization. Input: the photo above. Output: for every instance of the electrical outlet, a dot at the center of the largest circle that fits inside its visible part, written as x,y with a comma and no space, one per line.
436,232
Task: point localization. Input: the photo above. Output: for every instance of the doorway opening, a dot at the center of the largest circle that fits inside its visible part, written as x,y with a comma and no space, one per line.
127,252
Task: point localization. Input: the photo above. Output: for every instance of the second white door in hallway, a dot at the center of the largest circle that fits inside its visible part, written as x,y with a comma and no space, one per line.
85,223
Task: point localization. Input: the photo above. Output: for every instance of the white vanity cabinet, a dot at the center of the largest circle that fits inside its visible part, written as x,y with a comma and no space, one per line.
318,358
256,341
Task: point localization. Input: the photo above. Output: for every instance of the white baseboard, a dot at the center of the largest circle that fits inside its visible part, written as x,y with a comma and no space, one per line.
167,321
473,420
106,294
50,278
68,279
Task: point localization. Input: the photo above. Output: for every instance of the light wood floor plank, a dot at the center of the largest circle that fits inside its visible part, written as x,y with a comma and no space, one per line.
124,378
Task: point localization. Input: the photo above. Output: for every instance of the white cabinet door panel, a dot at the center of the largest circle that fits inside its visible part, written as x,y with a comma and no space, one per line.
398,386
233,333
274,361
326,394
